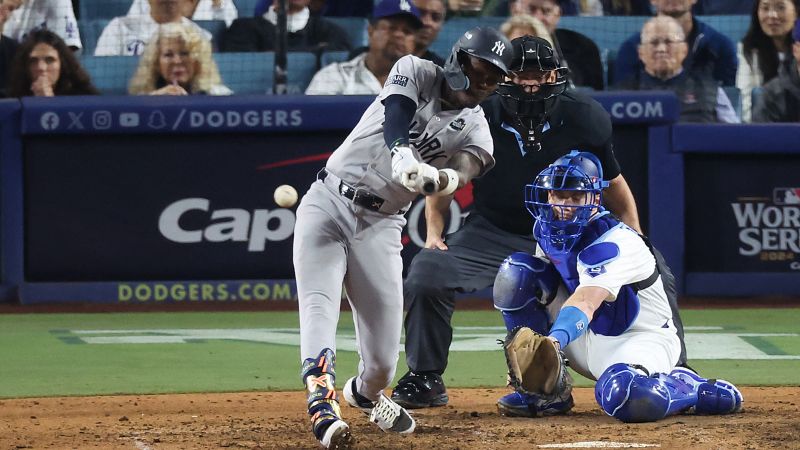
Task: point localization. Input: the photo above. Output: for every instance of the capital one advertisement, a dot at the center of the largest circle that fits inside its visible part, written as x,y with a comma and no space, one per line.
743,213
174,207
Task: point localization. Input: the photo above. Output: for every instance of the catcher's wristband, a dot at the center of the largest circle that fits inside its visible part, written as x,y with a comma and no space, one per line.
452,182
570,324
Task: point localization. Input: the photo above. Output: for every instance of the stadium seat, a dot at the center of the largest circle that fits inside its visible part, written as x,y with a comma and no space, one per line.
253,73
332,57
103,9
215,27
735,96
110,74
245,7
356,28
247,73
90,33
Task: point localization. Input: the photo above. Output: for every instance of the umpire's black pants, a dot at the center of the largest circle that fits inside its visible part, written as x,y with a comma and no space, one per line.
474,255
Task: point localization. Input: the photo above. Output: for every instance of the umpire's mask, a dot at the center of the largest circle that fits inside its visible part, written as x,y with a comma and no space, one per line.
537,77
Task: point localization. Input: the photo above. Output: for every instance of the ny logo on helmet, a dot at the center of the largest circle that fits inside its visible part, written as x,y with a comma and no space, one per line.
499,48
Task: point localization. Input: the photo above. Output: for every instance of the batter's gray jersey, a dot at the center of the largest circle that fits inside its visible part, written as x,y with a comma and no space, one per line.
435,134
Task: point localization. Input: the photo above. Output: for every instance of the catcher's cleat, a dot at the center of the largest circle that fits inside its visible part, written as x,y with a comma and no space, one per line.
355,399
517,404
420,390
713,396
390,416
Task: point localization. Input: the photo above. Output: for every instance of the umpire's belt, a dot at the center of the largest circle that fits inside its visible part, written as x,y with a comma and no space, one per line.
358,196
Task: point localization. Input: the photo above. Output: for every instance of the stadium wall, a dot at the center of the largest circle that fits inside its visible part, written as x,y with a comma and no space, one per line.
140,200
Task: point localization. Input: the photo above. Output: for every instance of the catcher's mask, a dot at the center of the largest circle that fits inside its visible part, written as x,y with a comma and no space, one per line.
533,57
484,43
563,198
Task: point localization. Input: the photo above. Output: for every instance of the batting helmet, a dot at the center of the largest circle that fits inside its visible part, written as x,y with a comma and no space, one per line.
533,53
559,225
485,43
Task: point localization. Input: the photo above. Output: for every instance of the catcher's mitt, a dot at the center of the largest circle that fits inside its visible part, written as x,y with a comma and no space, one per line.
535,364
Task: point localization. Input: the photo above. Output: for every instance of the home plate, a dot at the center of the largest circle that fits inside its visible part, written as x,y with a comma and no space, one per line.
598,444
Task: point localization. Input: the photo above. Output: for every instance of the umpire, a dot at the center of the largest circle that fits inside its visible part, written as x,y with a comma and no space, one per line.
533,122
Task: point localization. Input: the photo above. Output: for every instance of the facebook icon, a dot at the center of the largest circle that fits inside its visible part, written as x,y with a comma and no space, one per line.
49,120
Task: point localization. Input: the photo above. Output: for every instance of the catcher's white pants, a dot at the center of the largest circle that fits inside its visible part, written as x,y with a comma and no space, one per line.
646,343
336,241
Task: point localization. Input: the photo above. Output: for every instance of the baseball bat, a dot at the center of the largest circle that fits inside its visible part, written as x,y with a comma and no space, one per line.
429,188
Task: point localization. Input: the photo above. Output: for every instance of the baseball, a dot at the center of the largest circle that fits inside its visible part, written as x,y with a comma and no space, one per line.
285,196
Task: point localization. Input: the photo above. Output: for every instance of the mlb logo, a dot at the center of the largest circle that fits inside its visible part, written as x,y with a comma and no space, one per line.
595,271
786,196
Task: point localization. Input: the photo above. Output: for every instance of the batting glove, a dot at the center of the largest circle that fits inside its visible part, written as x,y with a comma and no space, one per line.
404,167
427,180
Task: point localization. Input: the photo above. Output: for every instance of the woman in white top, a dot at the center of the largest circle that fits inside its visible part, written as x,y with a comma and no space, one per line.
177,61
765,47
196,10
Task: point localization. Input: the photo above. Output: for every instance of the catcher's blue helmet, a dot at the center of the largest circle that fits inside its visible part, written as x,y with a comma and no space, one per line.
559,224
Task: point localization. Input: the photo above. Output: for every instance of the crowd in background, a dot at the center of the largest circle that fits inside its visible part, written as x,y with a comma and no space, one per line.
674,50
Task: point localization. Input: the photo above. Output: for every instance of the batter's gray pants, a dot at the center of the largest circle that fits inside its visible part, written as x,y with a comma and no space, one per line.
474,255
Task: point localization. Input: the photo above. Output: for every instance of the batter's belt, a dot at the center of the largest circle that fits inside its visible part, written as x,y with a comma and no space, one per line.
358,196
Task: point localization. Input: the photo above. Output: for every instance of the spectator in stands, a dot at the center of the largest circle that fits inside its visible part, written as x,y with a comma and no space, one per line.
765,47
307,32
707,46
565,7
391,32
44,67
127,35
465,7
8,47
329,8
432,13
177,61
627,8
195,10
780,101
722,7
576,51
55,15
662,51
525,25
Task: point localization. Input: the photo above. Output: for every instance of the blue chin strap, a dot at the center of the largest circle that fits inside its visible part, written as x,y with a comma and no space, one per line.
559,227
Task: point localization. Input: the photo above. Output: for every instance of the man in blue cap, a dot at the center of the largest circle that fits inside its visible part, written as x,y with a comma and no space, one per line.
391,34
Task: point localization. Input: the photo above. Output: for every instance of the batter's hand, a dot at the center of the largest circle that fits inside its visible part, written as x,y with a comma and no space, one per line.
427,179
404,167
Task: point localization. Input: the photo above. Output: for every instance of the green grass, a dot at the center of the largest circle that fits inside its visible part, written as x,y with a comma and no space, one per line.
44,355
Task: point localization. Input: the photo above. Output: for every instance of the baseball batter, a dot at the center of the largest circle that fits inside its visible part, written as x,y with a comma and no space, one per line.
600,291
424,133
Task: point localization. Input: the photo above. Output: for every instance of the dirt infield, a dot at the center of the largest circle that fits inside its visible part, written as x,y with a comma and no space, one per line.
277,420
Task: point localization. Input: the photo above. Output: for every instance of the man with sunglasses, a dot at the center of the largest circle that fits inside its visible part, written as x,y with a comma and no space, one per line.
533,121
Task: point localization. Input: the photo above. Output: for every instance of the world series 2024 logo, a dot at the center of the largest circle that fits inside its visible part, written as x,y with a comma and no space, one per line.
769,228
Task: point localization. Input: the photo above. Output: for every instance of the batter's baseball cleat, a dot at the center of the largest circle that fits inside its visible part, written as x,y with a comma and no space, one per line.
420,390
517,404
328,427
355,399
713,396
390,416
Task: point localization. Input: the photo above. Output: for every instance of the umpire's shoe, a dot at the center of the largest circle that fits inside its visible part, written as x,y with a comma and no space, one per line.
517,404
420,390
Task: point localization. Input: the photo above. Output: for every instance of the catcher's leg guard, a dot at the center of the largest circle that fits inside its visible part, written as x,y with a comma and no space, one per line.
319,376
524,285
517,404
713,396
629,394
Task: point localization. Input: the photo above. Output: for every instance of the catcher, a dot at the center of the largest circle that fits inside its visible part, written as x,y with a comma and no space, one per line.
596,292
